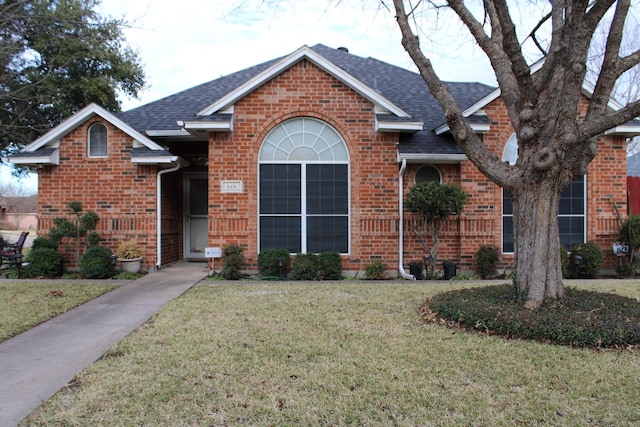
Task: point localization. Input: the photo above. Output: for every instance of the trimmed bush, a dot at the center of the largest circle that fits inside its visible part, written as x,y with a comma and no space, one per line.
44,242
591,262
95,263
580,319
375,271
232,262
486,262
329,266
269,262
306,267
43,262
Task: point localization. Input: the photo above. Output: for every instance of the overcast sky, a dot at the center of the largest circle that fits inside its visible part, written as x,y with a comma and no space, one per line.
184,43
187,42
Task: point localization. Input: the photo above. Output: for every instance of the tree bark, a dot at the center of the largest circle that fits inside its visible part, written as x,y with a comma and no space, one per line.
537,243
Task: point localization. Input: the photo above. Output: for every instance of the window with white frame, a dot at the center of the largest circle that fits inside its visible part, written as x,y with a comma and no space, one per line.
571,213
428,173
97,140
304,188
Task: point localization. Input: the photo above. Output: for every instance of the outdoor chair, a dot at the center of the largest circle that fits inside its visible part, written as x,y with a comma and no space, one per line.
12,252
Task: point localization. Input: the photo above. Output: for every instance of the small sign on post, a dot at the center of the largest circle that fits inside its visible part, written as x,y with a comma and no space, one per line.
212,253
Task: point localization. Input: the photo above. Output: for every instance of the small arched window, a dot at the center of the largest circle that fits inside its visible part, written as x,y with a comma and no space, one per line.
97,140
428,173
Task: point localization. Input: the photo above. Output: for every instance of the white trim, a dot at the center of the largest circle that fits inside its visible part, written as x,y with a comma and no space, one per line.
476,127
153,160
625,130
303,53
391,126
80,117
51,159
167,133
432,158
213,126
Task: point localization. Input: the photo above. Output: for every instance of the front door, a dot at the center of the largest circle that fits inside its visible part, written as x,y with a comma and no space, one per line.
196,220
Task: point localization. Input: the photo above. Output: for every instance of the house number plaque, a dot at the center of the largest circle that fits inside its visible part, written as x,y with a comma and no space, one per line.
232,186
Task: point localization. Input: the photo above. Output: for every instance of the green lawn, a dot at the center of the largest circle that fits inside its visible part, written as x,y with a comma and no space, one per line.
348,353
26,304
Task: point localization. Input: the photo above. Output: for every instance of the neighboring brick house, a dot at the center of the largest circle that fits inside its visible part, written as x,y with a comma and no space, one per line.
310,152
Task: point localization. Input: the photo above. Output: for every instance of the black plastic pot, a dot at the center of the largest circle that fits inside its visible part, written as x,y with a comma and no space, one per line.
450,271
416,271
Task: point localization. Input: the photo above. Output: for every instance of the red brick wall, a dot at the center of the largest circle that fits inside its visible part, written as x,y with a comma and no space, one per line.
306,91
481,220
120,192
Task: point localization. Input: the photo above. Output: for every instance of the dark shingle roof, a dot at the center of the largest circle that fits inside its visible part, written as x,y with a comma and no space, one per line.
404,88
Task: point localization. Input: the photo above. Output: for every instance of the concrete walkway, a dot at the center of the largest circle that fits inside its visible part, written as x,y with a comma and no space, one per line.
37,363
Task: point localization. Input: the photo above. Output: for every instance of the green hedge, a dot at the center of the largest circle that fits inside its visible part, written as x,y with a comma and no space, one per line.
581,319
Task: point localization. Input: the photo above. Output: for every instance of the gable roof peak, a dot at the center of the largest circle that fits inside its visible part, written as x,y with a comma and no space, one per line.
308,53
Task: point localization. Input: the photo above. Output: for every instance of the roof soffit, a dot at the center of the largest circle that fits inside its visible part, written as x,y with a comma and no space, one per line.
307,53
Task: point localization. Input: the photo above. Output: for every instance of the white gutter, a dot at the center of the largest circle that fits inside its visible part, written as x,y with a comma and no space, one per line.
401,270
159,210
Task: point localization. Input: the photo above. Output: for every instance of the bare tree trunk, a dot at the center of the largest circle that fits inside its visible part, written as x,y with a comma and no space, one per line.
537,243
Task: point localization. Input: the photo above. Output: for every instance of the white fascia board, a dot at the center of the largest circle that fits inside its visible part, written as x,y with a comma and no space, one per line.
383,126
80,117
625,130
152,160
476,127
432,158
176,133
306,53
213,126
51,159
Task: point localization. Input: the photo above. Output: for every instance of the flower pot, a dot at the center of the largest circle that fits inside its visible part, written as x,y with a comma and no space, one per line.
416,270
130,265
450,271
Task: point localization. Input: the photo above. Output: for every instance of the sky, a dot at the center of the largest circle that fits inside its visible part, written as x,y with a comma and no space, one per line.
188,42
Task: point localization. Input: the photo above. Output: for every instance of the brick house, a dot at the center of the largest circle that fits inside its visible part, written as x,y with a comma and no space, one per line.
310,152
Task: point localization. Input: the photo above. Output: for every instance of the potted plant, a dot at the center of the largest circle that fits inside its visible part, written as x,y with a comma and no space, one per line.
130,256
450,269
415,268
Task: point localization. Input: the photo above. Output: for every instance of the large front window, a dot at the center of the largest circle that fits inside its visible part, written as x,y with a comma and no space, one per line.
304,188
571,211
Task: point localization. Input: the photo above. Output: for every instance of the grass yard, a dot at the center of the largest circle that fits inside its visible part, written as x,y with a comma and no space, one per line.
24,305
347,353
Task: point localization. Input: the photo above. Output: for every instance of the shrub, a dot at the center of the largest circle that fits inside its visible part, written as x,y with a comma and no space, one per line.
95,263
129,249
44,242
43,262
232,262
329,266
591,262
375,271
581,319
486,262
269,262
306,267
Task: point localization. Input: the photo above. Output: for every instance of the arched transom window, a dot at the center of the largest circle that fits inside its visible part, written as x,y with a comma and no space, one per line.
97,140
304,188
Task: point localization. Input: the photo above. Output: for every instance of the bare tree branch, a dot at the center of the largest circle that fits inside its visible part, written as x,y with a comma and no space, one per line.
485,160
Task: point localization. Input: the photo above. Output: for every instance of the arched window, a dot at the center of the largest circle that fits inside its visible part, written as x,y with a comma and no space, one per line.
571,213
428,173
304,188
98,140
